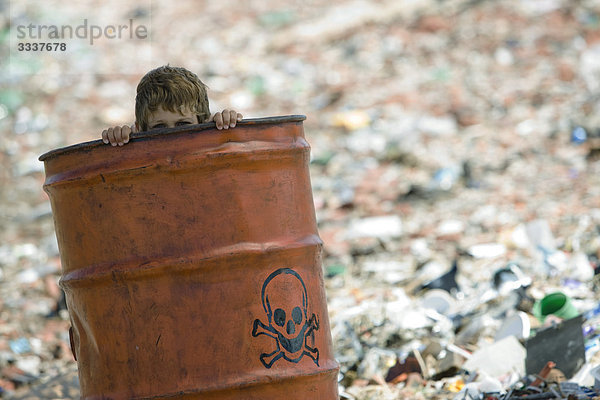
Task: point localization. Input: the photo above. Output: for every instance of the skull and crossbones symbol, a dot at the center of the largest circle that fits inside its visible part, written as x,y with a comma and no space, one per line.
285,302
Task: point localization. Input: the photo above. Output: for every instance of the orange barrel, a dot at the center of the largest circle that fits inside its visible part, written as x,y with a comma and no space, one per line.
191,264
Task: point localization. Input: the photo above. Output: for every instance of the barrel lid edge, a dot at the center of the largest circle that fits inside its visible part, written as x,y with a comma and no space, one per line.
163,131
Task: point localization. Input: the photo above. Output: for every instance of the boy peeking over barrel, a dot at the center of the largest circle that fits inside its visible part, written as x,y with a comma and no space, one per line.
168,97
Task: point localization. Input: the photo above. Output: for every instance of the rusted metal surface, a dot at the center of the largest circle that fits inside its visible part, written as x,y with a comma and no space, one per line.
192,264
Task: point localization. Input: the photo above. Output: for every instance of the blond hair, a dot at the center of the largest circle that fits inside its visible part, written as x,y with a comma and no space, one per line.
173,88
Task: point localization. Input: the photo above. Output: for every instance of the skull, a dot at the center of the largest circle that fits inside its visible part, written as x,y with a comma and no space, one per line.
285,302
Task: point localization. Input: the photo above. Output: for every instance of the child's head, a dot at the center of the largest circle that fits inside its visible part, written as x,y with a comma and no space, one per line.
173,89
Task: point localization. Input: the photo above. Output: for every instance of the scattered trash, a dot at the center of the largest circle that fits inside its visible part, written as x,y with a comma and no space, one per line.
510,278
560,343
517,325
446,282
379,227
498,359
579,135
20,346
452,196
557,304
487,250
352,120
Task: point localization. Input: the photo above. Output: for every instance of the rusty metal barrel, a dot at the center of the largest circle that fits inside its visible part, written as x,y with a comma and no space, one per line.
191,264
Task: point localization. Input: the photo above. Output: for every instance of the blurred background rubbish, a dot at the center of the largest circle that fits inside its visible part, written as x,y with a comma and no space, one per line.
455,170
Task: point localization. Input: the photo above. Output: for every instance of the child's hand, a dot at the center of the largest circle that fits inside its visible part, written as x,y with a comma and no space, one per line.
119,135
226,119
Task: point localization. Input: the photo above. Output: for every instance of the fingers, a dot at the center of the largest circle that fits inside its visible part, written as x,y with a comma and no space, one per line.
119,135
232,118
125,132
218,118
116,136
227,119
111,136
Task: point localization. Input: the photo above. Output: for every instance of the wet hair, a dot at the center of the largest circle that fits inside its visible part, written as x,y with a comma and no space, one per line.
173,88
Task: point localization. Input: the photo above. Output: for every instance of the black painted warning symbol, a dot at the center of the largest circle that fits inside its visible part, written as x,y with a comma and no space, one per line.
285,302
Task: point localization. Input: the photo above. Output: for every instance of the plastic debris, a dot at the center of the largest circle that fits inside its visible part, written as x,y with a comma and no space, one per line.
20,346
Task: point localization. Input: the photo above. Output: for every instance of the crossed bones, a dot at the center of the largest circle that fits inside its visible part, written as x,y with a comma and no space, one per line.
286,348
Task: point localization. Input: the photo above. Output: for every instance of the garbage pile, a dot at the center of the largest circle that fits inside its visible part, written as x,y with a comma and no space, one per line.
506,336
455,172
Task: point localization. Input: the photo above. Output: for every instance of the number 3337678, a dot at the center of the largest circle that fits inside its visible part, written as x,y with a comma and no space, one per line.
41,46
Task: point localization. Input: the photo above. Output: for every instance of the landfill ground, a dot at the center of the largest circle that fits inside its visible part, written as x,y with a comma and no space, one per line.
452,139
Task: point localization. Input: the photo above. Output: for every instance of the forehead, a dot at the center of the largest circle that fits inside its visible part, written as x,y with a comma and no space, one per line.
165,115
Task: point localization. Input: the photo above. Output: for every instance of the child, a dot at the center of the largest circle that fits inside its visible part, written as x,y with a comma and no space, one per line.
167,97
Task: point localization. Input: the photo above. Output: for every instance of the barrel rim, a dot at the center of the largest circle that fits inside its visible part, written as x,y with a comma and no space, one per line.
86,146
